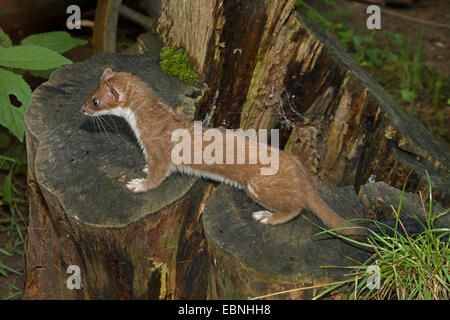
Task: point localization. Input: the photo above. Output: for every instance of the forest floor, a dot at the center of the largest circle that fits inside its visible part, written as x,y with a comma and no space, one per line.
428,17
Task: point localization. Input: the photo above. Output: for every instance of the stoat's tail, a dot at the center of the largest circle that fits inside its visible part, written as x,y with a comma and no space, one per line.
332,220
386,226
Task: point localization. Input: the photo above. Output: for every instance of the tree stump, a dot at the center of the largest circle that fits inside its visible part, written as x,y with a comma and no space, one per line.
276,70
251,260
279,70
126,245
248,259
379,198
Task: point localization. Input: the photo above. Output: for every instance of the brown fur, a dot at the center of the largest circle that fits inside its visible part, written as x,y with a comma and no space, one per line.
285,193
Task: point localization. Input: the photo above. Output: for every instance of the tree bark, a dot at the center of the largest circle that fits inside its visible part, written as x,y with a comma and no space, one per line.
248,259
105,29
267,66
279,70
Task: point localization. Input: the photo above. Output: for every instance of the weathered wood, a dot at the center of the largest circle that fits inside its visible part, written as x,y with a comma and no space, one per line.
279,70
248,259
149,44
380,200
126,245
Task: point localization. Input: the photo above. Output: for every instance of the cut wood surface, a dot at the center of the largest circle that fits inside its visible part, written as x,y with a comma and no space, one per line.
248,259
126,244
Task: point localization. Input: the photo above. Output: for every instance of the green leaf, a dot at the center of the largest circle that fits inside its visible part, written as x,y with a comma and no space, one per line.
45,74
4,140
311,14
407,95
31,57
6,189
5,41
373,56
59,41
357,40
11,117
395,37
17,153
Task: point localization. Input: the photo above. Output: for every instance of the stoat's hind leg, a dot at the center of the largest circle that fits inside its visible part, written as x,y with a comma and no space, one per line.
283,209
137,185
268,217
262,216
142,185
153,179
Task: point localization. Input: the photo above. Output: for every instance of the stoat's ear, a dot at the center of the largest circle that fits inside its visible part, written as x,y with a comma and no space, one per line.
107,74
113,90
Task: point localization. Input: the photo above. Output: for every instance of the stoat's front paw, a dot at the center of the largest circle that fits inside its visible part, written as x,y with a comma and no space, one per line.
263,216
145,170
137,185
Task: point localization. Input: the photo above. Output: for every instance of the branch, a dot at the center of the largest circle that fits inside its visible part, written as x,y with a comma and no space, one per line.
138,18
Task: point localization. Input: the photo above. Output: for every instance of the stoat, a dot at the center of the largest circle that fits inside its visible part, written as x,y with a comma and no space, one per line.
284,193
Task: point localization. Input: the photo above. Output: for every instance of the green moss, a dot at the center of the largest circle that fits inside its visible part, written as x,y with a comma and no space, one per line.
177,63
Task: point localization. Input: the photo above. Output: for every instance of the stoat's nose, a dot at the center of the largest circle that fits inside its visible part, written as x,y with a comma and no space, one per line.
83,110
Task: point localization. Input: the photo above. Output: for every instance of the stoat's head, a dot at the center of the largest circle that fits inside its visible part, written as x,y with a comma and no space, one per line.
107,97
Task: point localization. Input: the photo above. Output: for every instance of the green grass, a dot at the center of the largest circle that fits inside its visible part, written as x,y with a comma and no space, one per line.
411,267
13,216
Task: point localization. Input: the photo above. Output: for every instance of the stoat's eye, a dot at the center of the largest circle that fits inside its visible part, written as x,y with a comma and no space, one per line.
95,102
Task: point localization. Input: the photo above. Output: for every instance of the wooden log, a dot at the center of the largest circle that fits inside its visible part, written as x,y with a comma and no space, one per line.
380,200
248,259
126,245
279,70
150,45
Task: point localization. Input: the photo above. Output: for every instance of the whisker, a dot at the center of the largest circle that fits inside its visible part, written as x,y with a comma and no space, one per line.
114,124
100,122
103,119
96,123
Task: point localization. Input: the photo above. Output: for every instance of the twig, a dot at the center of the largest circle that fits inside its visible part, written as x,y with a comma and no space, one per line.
138,18
300,289
87,23
414,19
